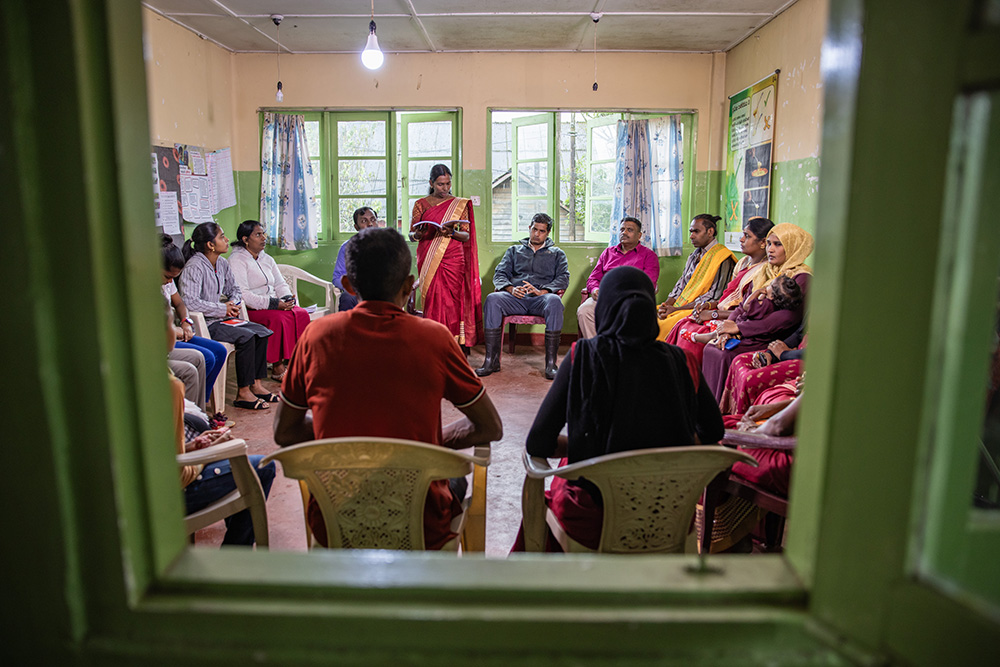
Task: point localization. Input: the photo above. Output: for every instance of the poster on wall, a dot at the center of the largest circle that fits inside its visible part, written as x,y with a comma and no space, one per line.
198,185
220,168
748,153
167,186
196,197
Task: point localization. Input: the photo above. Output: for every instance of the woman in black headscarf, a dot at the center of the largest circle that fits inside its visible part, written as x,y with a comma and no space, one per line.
619,391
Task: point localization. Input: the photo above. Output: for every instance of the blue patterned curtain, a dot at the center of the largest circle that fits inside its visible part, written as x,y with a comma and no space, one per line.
648,180
288,209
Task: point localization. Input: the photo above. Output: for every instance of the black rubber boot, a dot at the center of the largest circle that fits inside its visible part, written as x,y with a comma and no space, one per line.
491,364
551,352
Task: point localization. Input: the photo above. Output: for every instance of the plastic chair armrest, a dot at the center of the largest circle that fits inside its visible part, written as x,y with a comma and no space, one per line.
536,467
481,455
200,325
223,450
753,440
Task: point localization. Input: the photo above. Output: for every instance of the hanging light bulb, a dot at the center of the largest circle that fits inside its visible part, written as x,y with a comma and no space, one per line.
277,18
372,57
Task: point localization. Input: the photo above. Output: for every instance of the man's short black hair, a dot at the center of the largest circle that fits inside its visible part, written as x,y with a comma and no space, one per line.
358,212
629,218
378,261
709,221
544,219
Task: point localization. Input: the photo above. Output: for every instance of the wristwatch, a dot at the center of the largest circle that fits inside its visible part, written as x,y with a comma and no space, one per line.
188,320
715,314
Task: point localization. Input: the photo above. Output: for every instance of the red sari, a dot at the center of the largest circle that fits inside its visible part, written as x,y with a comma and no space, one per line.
774,466
731,297
744,383
449,270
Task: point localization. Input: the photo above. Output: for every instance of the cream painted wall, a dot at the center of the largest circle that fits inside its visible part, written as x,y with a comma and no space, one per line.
189,86
477,81
791,43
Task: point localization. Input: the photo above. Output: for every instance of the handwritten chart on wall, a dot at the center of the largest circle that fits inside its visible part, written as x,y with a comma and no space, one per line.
748,161
190,184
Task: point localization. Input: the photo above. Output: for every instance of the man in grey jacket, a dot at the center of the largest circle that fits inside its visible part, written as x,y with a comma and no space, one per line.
526,282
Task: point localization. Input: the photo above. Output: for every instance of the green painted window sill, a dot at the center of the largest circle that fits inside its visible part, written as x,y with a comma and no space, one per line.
643,584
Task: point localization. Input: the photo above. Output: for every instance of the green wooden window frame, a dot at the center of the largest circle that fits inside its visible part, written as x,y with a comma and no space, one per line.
551,203
958,545
337,203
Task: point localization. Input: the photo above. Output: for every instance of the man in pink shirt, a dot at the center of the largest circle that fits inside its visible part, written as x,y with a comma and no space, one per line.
629,252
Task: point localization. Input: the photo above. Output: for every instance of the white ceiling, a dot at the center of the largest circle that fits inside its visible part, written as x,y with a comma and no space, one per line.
426,26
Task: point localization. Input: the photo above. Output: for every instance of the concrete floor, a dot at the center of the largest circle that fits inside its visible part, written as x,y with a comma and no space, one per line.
516,391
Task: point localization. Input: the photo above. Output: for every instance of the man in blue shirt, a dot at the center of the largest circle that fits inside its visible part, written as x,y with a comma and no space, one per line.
364,217
526,282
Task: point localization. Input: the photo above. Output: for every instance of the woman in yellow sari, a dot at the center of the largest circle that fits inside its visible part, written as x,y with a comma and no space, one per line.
448,260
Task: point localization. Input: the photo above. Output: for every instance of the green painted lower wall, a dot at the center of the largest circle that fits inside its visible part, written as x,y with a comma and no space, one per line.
795,192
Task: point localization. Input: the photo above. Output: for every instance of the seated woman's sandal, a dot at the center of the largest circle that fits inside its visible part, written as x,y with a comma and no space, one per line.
259,404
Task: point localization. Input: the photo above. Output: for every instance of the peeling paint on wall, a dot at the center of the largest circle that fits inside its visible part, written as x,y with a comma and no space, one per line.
794,197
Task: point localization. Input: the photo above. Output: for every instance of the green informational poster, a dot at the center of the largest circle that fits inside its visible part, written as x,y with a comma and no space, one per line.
748,153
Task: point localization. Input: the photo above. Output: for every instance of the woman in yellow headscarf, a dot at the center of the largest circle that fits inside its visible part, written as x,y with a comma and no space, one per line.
788,246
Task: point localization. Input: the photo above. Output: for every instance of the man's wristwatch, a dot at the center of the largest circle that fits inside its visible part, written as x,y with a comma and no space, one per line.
715,314
188,320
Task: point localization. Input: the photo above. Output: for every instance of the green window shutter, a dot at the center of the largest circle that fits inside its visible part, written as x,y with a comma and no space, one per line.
602,136
533,171
362,167
315,134
426,139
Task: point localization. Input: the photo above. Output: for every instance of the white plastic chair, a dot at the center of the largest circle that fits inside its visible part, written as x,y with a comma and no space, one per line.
293,274
201,329
249,494
372,491
649,497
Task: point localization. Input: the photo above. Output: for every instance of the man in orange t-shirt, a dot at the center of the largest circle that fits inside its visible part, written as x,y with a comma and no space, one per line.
377,371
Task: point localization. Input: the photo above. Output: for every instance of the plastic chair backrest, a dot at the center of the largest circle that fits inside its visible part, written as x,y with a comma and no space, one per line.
292,276
372,491
248,493
650,495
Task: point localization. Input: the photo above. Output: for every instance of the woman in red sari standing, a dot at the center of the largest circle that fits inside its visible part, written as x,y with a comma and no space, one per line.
448,260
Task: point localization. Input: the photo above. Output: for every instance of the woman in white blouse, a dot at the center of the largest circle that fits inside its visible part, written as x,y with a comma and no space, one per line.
267,296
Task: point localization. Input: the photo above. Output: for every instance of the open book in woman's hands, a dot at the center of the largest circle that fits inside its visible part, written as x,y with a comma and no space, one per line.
439,224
